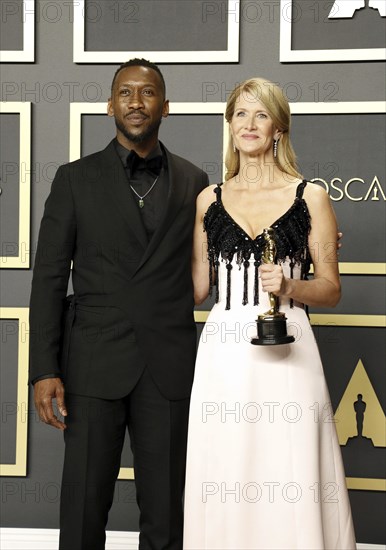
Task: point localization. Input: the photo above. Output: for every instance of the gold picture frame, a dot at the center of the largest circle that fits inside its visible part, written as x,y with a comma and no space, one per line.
19,468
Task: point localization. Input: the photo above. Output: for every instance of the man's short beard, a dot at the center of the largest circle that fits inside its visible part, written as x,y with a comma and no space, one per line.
139,138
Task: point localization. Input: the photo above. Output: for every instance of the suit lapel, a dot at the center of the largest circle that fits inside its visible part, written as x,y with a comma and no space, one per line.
176,196
116,182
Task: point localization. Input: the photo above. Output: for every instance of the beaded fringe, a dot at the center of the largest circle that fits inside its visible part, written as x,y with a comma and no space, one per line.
228,299
245,292
256,285
226,239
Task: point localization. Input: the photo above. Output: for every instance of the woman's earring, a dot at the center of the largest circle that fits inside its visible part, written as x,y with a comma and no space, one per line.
275,143
234,147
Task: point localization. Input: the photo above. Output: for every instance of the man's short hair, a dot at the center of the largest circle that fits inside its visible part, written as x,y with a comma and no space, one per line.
137,62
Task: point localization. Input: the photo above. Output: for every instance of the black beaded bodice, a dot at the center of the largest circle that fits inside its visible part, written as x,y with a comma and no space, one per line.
228,241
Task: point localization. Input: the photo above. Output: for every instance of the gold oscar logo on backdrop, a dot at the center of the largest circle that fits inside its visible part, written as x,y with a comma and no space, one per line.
343,9
359,416
355,189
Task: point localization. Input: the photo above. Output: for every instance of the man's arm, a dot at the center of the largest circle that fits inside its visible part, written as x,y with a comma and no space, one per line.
49,287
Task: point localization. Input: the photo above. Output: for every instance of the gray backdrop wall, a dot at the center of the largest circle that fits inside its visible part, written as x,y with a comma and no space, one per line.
339,146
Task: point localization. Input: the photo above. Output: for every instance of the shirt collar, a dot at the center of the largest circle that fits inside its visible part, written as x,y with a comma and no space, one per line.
123,151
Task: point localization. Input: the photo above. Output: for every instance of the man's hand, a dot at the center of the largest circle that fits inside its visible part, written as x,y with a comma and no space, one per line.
339,244
44,392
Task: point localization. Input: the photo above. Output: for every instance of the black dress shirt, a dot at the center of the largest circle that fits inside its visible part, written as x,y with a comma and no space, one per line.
142,180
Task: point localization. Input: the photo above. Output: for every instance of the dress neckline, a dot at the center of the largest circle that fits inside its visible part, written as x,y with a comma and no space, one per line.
277,221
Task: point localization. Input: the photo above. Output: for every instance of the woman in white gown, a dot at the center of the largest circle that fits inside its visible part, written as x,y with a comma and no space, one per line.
264,468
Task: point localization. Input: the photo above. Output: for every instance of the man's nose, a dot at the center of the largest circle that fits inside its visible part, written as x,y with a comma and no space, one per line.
136,100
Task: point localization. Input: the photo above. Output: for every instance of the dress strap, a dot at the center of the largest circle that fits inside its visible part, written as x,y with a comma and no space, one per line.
217,190
300,189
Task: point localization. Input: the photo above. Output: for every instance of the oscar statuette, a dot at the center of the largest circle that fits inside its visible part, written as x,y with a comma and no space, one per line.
271,325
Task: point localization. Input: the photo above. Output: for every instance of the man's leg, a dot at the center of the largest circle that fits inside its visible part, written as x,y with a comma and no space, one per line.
158,433
94,439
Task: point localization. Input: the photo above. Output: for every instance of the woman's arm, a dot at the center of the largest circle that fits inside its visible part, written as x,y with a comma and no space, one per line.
324,289
200,262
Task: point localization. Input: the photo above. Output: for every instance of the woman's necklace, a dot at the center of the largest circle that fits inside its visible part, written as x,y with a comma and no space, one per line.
141,202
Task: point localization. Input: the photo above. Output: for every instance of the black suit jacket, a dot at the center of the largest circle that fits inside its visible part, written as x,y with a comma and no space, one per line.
133,300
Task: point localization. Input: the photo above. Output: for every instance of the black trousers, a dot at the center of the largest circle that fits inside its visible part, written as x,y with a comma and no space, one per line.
94,439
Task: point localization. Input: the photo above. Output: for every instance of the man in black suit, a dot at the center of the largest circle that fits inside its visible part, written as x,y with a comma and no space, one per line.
123,354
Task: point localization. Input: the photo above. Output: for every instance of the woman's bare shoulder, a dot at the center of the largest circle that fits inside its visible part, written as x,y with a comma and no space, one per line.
316,194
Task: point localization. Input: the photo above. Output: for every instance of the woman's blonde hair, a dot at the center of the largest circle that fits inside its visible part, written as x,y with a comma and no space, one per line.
276,104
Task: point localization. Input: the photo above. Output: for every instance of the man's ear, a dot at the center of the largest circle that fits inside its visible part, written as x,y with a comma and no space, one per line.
165,108
110,110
